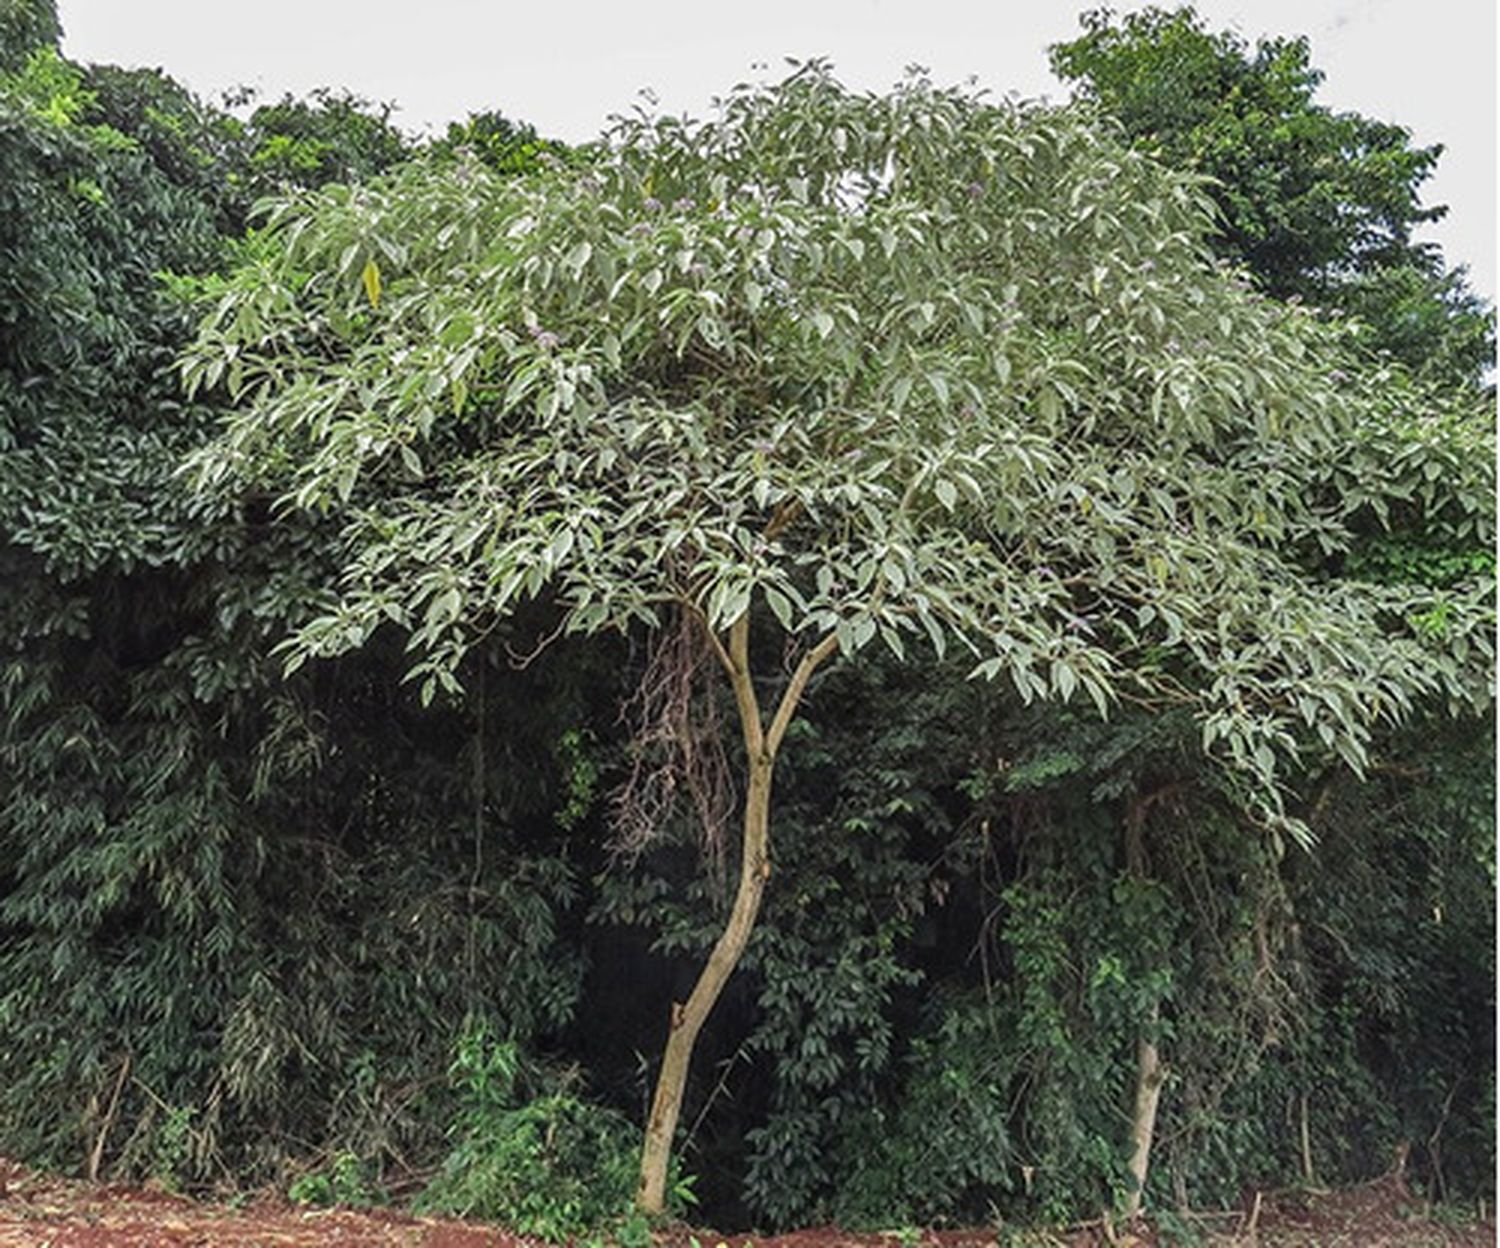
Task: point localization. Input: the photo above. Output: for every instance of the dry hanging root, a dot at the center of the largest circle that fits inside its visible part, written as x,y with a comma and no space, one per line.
676,747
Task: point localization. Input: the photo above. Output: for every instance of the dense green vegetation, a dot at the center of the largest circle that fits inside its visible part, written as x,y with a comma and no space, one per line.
272,909
1319,206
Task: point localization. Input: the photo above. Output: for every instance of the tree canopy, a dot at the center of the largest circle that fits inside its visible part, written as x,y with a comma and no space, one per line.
1319,205
910,368
26,25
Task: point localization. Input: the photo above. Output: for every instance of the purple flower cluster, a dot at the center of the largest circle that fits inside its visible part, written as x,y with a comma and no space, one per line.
545,338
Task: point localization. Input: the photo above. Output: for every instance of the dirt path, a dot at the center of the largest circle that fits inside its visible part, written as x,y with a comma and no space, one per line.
40,1211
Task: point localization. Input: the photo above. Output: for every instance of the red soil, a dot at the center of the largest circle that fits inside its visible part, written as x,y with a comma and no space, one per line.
40,1211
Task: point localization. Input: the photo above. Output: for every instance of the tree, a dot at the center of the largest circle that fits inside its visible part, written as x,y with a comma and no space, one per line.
833,371
25,26
331,136
504,145
1320,206
203,869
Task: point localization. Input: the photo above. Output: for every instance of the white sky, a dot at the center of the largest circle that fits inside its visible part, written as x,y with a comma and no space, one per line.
1428,65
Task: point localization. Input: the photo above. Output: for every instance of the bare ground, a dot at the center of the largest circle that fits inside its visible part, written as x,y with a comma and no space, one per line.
43,1211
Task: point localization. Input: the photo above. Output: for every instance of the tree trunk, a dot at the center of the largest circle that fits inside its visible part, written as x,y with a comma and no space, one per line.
688,1018
1149,1074
761,744
1149,1071
1304,1135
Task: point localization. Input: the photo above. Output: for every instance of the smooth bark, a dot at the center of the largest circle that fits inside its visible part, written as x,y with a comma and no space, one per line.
688,1017
1150,1073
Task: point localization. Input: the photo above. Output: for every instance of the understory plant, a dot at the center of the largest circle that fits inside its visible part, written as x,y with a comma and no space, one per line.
529,1153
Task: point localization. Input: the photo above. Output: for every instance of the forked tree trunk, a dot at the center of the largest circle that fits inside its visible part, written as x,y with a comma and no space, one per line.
761,744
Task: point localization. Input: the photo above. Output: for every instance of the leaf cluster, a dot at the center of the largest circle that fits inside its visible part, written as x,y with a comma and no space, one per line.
1320,206
903,368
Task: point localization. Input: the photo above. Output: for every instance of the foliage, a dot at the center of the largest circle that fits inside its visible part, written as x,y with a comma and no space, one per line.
874,374
171,1147
500,144
944,1144
330,136
198,149
1013,1088
1319,206
235,912
1404,953
342,1182
88,217
288,984
548,1165
25,26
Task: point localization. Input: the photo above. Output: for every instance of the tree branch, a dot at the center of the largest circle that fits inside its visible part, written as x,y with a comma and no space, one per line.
744,687
782,518
800,676
714,643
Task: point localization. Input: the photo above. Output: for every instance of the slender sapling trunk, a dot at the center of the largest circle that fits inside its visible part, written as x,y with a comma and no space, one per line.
1150,1073
688,1017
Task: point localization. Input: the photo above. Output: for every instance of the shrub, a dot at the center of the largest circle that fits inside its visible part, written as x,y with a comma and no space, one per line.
551,1165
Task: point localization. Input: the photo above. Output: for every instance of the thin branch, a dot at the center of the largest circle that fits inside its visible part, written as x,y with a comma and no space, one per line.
744,687
714,643
96,1156
782,518
727,1066
520,662
793,694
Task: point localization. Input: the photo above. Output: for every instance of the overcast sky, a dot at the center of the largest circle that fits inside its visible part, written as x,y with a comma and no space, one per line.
1426,64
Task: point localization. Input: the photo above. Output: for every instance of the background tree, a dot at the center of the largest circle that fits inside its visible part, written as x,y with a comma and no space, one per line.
504,145
330,136
206,940
1319,206
829,371
25,26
